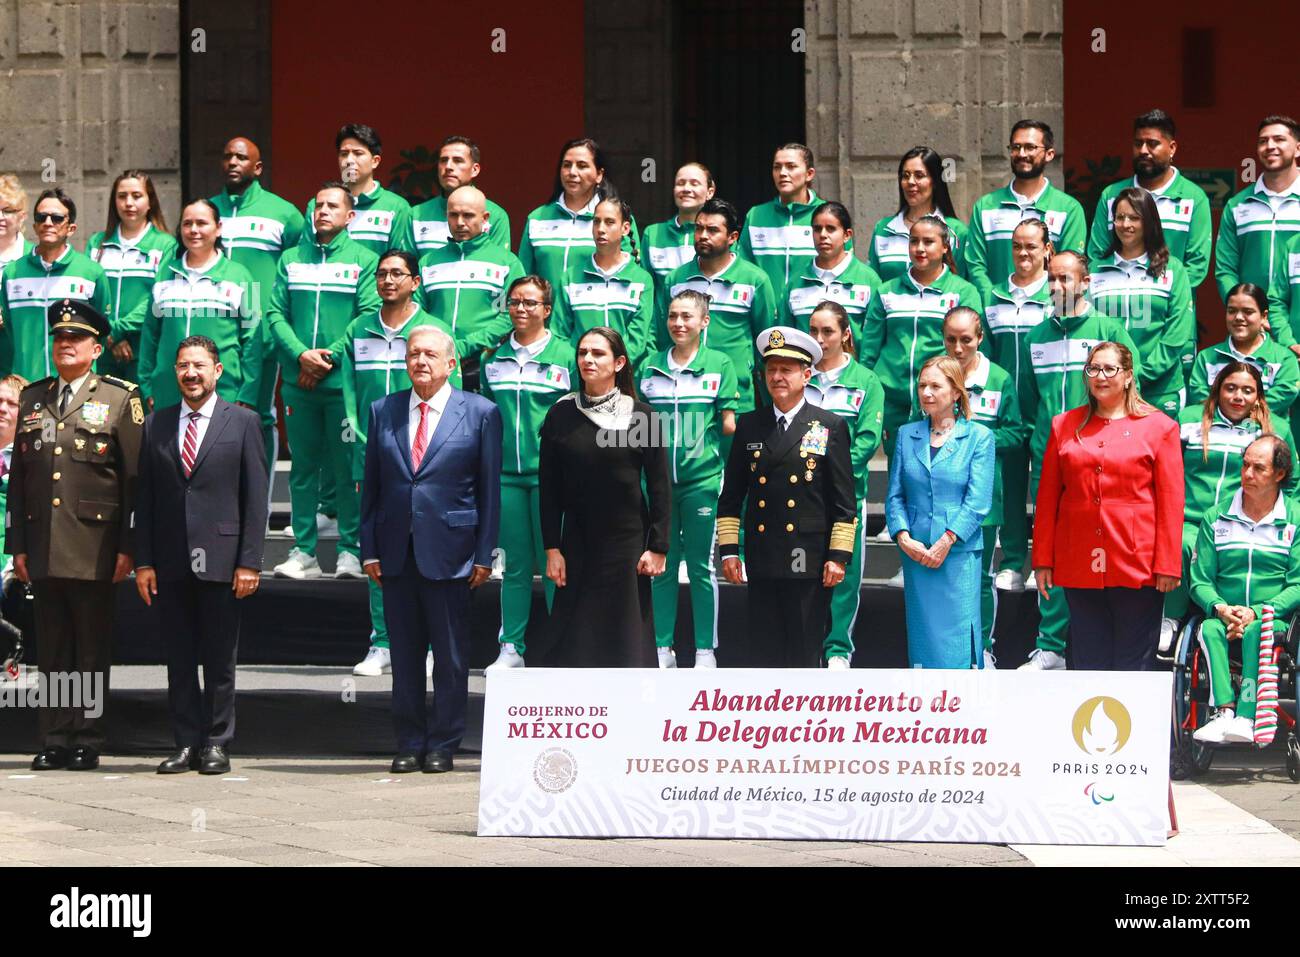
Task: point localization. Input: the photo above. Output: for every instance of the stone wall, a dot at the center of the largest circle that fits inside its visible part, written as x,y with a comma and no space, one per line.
886,75
88,89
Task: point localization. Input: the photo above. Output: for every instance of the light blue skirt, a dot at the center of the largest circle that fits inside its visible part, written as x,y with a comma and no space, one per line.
943,612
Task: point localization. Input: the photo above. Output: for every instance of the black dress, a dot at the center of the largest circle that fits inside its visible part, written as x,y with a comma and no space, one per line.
593,510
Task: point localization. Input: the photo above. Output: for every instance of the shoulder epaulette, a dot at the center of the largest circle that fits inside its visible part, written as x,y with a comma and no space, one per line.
120,383
39,384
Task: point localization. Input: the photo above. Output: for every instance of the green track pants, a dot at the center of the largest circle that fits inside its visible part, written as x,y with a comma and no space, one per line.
694,521
316,425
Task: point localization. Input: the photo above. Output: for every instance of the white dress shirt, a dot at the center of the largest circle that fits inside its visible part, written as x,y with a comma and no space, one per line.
789,416
437,405
203,421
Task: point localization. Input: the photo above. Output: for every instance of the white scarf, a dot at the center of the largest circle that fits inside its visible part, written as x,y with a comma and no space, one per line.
610,411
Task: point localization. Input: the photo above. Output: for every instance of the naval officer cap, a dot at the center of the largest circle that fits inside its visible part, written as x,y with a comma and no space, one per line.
74,315
789,343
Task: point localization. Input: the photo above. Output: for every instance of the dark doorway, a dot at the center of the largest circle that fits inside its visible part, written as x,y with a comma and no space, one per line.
739,90
225,87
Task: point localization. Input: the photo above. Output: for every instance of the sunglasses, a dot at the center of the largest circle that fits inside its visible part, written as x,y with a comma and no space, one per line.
56,218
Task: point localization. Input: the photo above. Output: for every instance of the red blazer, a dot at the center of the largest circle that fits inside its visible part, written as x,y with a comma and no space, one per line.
1110,502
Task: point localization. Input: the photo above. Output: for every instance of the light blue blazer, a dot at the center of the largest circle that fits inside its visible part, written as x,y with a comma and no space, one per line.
955,491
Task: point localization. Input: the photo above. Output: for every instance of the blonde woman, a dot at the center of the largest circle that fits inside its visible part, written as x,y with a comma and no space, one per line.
13,214
940,490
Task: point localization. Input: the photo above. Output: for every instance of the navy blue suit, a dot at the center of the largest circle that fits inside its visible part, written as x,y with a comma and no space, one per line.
428,527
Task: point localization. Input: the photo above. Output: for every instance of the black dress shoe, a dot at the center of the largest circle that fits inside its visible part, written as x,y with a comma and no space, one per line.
186,759
214,760
51,759
437,762
406,763
83,759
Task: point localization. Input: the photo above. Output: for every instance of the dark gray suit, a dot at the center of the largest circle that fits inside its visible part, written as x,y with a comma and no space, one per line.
194,532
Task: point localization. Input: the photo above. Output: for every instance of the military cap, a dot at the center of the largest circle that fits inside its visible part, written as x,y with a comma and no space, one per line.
789,343
74,315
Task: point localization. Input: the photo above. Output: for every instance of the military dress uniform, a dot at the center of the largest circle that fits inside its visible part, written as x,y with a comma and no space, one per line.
69,510
793,488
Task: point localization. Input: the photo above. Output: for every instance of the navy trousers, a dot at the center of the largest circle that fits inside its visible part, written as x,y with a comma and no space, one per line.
421,614
1114,629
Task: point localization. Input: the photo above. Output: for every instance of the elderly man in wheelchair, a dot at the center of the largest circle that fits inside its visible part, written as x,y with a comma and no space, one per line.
1247,556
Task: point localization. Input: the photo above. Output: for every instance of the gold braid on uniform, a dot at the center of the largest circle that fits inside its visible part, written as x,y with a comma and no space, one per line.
728,532
842,535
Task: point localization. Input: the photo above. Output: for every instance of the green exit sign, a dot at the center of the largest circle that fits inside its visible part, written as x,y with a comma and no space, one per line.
1218,184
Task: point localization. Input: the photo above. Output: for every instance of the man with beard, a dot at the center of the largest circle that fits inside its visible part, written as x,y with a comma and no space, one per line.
1258,222
1183,206
257,226
459,163
1029,195
200,527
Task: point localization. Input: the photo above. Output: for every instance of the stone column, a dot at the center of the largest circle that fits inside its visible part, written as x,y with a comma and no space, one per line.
88,89
886,75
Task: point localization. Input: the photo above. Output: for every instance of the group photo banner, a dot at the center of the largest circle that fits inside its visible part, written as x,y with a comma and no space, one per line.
1004,757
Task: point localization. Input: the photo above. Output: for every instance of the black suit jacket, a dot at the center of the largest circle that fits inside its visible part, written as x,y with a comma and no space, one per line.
215,520
795,491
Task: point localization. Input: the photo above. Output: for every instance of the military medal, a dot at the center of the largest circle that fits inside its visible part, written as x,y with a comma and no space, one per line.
814,441
807,476
37,445
94,413
101,446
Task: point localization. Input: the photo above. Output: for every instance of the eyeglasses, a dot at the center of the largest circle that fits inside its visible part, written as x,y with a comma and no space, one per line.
382,274
1029,150
55,218
528,304
1106,372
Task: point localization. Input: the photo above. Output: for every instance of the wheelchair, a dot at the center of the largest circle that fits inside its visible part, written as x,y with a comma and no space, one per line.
1190,758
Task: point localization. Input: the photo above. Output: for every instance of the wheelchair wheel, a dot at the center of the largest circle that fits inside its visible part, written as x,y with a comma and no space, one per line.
1293,758
1189,758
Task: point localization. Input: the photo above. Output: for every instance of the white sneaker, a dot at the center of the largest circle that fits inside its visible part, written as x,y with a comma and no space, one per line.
683,576
705,658
1240,730
509,658
883,535
298,565
1031,583
326,526
1040,659
1009,579
1168,632
837,663
378,661
428,665
498,566
990,663
667,658
896,581
348,566
1215,730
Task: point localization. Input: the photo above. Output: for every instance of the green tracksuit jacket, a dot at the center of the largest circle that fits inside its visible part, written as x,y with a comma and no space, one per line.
1157,312
219,303
994,403
555,238
1276,363
1184,214
624,301
318,291
381,221
524,389
904,327
1010,312
665,246
1055,352
853,284
464,285
26,290
1252,235
889,257
1240,563
1284,290
430,231
1212,463
742,305
996,216
690,402
131,269
856,396
777,238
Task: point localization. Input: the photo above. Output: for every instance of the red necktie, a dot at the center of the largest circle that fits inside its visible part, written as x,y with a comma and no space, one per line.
421,437
191,446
